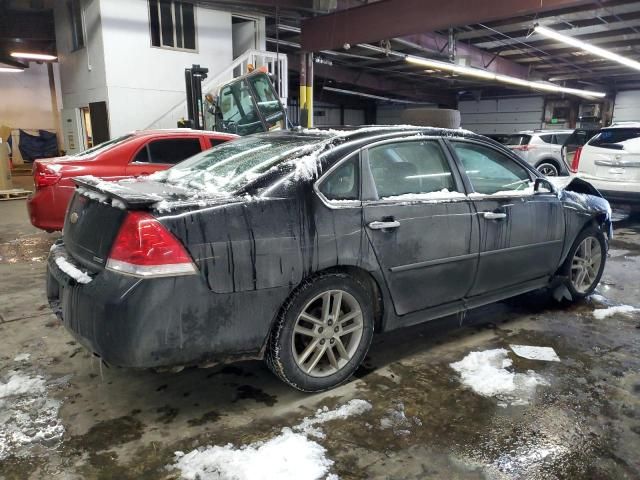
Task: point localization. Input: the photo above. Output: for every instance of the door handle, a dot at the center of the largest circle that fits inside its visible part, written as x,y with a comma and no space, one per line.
494,215
384,225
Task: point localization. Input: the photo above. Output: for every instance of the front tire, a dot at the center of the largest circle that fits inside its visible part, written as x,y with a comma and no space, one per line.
322,333
585,262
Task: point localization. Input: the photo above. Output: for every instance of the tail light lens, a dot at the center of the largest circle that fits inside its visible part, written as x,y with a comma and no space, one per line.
145,248
575,163
45,175
522,148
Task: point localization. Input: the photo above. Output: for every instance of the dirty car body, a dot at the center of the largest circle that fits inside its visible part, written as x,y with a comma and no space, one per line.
428,239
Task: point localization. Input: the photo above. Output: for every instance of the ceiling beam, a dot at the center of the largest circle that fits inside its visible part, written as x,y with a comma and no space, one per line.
396,18
377,83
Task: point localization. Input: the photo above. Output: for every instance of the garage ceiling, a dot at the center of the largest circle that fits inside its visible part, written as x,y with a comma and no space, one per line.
505,45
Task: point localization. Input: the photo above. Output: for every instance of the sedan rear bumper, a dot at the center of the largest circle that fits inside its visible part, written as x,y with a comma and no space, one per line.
159,322
48,206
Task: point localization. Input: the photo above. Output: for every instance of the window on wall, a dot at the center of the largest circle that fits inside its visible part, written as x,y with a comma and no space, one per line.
173,24
75,16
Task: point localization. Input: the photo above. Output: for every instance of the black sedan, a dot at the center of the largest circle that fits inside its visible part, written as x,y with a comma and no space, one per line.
296,246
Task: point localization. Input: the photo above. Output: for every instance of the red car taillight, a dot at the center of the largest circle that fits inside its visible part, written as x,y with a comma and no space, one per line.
522,148
145,248
576,160
45,175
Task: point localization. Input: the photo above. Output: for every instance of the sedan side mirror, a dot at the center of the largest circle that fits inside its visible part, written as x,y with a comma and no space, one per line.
542,185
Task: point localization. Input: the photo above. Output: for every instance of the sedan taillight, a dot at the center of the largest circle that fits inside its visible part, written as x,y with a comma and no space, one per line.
575,163
145,248
45,175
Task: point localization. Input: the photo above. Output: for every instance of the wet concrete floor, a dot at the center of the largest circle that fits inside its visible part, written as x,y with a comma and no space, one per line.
582,423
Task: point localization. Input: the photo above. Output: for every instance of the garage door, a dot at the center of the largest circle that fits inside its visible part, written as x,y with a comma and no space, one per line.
627,107
502,115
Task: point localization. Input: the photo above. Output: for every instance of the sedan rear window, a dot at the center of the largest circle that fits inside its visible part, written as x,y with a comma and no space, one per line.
609,137
233,165
103,146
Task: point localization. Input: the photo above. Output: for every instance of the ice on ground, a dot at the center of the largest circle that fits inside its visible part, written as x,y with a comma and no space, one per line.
397,420
487,375
324,415
28,417
291,455
598,298
71,270
546,354
22,357
602,313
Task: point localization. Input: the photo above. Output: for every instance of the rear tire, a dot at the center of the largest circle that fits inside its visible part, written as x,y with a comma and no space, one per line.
322,333
585,262
548,168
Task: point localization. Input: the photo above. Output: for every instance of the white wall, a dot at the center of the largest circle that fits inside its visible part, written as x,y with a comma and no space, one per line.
143,81
392,114
82,72
502,115
627,106
26,98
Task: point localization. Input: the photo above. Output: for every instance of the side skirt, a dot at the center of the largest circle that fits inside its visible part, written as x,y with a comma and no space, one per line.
466,304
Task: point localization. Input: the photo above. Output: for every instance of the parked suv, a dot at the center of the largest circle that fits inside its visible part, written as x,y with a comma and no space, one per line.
540,148
610,161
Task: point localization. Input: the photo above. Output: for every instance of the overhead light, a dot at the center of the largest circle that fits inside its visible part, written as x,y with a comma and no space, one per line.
574,42
487,75
33,56
11,70
451,67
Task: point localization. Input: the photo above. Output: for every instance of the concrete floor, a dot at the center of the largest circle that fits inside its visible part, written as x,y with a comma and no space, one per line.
585,424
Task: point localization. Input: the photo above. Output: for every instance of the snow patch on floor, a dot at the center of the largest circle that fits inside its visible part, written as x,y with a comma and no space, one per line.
290,455
546,354
602,313
28,417
22,357
486,374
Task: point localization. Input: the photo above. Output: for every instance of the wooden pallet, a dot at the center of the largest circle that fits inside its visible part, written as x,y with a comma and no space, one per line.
13,194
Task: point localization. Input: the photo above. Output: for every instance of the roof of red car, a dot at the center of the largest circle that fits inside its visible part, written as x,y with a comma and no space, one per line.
170,131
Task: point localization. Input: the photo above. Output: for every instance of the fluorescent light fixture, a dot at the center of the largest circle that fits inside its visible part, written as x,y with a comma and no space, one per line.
487,75
33,56
11,70
587,47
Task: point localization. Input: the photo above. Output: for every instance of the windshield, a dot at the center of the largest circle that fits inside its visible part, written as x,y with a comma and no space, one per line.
102,146
233,165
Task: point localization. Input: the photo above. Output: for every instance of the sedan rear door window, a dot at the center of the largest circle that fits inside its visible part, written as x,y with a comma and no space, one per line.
173,150
406,168
490,171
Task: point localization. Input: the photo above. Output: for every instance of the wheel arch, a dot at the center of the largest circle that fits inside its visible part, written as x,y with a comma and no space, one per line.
366,277
552,160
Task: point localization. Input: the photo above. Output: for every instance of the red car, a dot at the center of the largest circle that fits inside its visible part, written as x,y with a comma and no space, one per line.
139,153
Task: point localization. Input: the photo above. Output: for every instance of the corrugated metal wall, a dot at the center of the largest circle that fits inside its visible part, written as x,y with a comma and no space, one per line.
502,115
627,107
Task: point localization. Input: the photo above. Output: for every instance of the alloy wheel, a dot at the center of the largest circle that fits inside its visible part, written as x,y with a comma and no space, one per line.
327,333
585,264
548,170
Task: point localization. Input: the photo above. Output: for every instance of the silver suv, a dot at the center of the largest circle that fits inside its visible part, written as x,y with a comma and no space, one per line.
540,148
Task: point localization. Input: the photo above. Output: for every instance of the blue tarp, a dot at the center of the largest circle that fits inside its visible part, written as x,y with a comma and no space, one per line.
43,145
